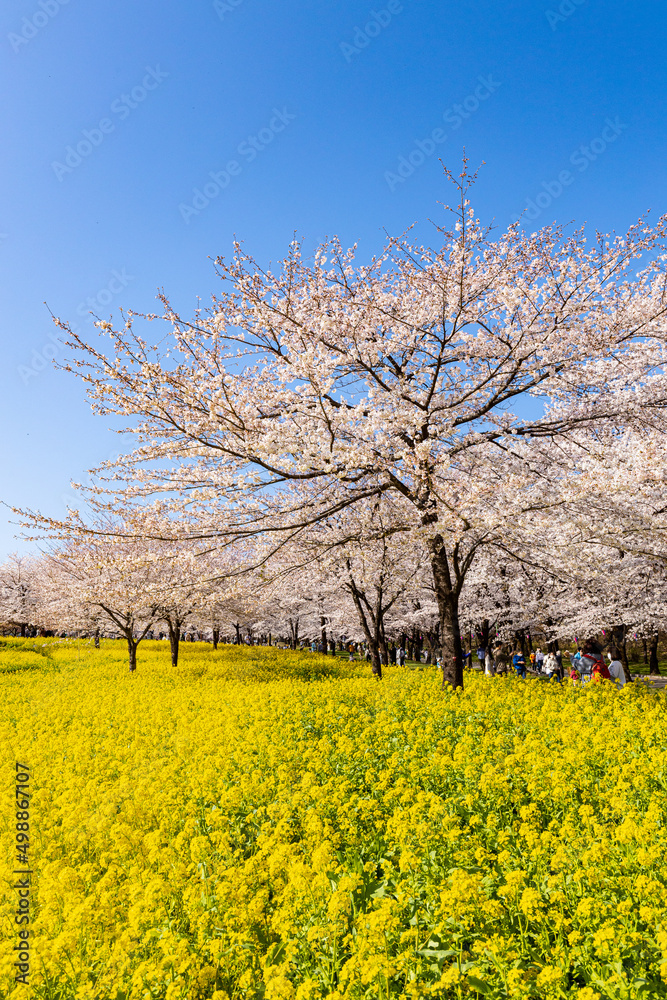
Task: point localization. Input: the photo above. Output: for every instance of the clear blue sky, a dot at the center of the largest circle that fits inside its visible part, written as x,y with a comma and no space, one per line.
314,104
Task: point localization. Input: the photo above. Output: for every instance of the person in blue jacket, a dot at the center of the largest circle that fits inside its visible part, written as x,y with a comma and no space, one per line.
519,663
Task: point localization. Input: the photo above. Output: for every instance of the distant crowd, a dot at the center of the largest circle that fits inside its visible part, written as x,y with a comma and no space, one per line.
586,663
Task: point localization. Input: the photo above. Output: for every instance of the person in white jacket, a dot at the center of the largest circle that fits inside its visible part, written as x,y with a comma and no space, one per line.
550,666
616,671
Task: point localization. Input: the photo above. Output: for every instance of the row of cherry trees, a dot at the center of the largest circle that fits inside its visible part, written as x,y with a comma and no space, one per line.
444,436
373,586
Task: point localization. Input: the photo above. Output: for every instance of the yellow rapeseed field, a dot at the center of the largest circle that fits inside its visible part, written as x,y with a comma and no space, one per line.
262,824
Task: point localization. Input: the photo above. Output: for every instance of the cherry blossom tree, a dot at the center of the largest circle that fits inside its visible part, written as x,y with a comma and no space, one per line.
19,592
394,376
120,579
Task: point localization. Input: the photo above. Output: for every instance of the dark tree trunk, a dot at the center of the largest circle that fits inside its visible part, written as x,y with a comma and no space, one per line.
483,635
520,641
653,667
174,637
132,652
448,606
216,637
416,646
376,663
372,633
97,638
323,634
238,634
452,652
619,639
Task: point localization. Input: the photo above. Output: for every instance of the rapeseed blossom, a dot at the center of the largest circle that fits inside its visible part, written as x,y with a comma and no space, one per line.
261,824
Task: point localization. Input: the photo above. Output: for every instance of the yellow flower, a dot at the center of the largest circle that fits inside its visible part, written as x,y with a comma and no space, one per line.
321,830
279,988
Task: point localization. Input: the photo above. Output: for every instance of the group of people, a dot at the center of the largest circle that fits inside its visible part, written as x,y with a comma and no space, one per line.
586,664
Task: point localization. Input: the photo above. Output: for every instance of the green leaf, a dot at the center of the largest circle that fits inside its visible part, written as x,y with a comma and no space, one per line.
478,985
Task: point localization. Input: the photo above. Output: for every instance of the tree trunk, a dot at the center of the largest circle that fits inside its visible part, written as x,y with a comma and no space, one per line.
416,651
653,667
216,637
97,638
323,634
132,651
372,634
520,641
238,634
624,653
448,606
483,635
174,637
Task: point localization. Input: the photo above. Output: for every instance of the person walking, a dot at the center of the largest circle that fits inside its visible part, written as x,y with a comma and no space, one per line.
616,671
519,663
489,665
539,660
400,657
592,663
551,667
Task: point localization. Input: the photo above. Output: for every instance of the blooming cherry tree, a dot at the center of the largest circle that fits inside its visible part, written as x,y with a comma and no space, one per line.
395,376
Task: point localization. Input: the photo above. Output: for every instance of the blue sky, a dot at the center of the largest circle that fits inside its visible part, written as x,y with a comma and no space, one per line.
324,118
